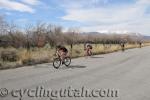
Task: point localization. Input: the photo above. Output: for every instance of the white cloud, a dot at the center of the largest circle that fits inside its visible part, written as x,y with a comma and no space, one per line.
81,3
23,21
31,2
100,15
13,5
143,2
8,13
119,18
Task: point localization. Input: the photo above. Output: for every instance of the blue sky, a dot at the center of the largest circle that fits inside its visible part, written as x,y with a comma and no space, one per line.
118,16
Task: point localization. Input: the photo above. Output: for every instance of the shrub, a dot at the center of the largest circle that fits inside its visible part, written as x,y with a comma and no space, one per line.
77,51
35,61
9,55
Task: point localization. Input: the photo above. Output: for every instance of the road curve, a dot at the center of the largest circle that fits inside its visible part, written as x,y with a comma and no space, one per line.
126,74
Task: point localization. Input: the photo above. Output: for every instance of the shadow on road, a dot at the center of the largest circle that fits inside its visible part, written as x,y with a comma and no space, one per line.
61,67
72,67
43,66
96,57
76,66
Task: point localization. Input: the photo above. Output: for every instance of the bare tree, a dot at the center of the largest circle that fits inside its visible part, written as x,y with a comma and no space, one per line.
72,37
3,25
54,35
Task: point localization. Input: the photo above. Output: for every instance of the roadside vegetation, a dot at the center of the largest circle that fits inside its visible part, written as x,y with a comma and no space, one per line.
37,43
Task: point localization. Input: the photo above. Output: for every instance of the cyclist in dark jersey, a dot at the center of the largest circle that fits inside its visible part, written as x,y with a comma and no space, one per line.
61,52
122,46
140,44
88,49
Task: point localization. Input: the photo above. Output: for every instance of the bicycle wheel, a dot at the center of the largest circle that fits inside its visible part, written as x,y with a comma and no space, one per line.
57,63
67,61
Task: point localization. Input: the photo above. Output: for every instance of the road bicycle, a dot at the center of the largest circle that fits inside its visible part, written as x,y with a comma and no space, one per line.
57,62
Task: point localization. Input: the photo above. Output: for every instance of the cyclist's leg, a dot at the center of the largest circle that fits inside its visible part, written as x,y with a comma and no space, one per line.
63,55
90,52
87,52
123,47
58,54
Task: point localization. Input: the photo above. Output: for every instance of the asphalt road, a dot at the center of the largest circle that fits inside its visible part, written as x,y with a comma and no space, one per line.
115,76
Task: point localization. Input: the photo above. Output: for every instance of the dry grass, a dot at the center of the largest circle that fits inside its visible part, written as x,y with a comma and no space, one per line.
42,55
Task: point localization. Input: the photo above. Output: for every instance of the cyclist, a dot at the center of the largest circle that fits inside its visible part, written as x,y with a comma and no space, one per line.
123,46
88,49
140,44
61,52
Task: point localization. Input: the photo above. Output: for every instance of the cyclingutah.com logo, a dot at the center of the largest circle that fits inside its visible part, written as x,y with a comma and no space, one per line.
53,94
